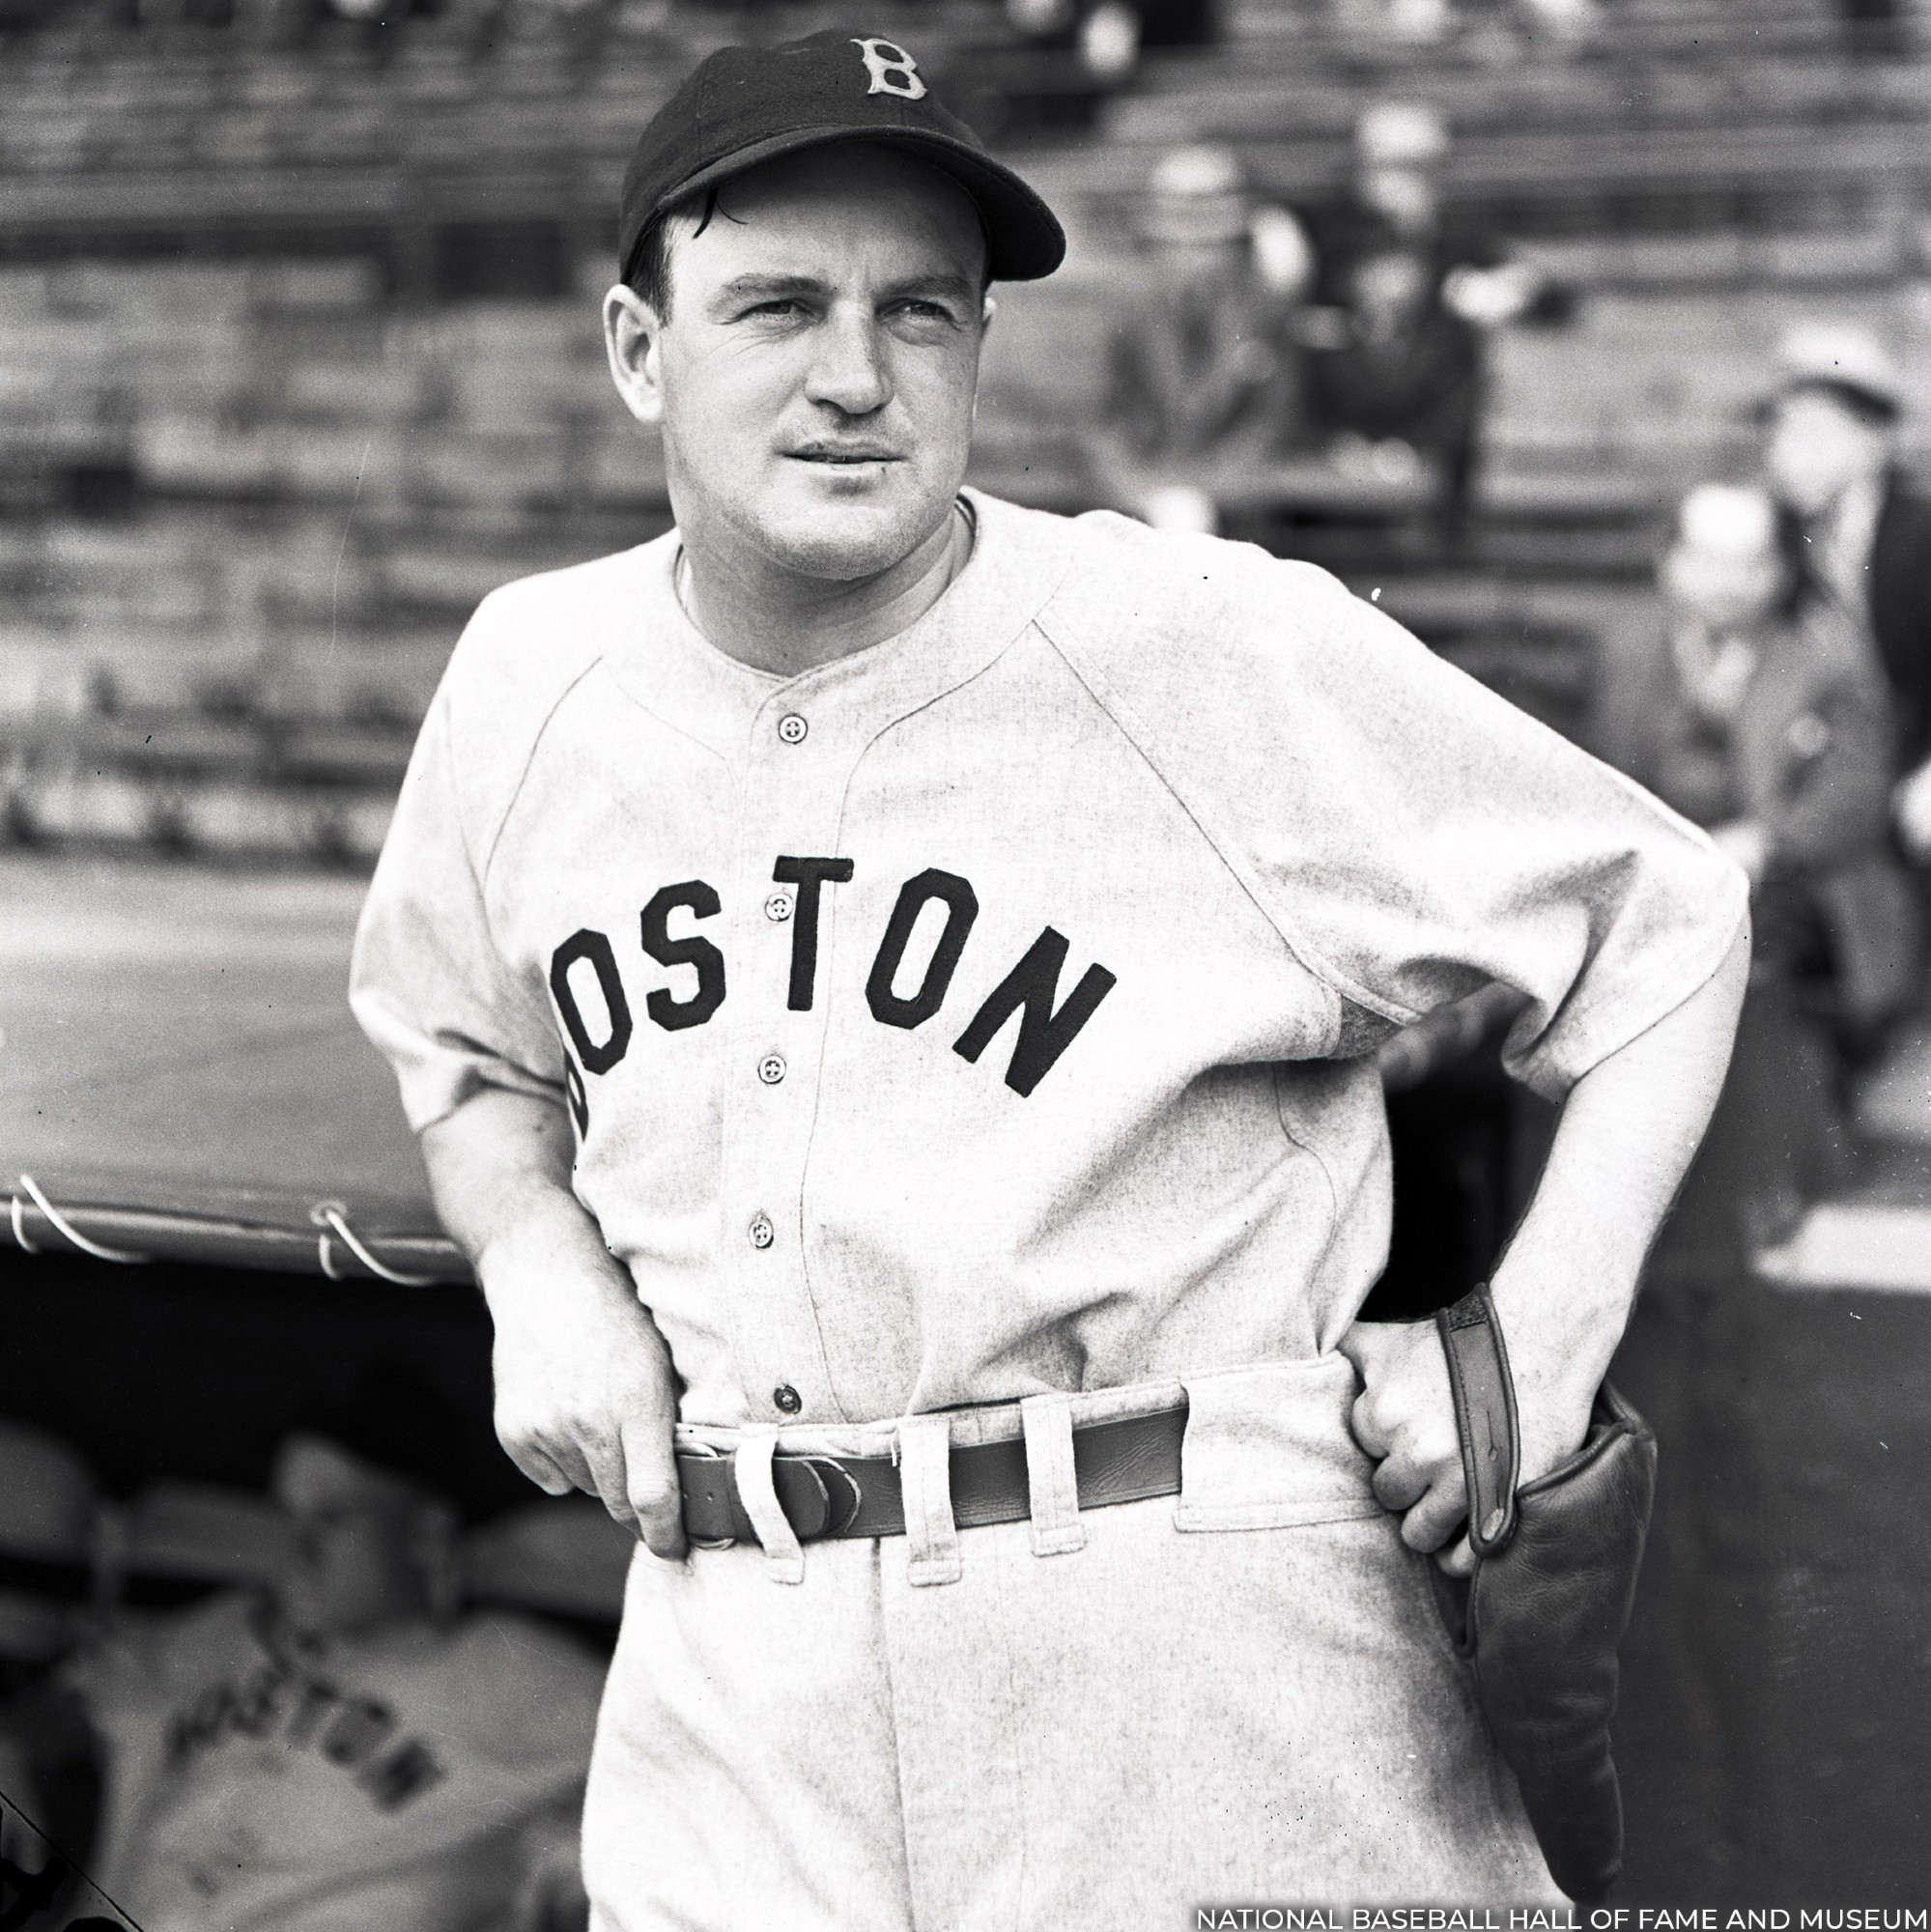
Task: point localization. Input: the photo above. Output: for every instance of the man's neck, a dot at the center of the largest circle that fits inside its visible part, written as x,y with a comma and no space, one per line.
784,623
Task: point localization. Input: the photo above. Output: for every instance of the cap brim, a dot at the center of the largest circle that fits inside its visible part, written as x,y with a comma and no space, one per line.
1024,239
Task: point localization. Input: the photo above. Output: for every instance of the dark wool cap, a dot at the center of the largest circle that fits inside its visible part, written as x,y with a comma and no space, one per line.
744,106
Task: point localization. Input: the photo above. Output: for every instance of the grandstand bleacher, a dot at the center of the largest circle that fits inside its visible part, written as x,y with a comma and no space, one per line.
299,351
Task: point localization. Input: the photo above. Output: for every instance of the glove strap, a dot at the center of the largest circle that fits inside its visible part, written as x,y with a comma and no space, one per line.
1485,1414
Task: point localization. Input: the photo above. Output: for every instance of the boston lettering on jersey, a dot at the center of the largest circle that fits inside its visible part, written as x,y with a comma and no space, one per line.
280,1697
1047,1025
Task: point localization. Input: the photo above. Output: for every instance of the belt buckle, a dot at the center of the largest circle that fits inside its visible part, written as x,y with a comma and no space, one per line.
818,1494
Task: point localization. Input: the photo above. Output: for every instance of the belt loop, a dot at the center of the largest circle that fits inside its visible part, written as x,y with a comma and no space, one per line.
784,1557
926,1480
1050,1475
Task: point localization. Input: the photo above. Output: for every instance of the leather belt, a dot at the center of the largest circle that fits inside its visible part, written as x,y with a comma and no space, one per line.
1119,1462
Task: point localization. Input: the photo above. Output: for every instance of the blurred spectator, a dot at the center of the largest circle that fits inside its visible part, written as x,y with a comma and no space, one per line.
1759,713
1428,22
1205,372
1405,292
1109,34
345,1752
1832,459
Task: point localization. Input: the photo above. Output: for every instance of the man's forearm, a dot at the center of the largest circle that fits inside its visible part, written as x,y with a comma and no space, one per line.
1628,1131
499,1172
586,1391
499,1162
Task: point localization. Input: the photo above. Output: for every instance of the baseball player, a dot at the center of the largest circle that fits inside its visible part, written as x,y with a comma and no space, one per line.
887,981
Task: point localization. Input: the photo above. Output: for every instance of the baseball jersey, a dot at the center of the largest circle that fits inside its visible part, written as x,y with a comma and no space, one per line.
991,1012
257,1779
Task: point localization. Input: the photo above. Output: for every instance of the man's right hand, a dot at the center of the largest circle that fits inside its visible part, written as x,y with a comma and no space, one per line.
587,1396
585,1393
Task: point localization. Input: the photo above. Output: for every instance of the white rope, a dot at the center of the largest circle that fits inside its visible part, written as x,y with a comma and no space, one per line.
63,1226
331,1214
20,1230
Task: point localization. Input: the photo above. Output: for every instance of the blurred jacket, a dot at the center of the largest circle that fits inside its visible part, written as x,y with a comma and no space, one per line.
1807,753
1207,367
1899,590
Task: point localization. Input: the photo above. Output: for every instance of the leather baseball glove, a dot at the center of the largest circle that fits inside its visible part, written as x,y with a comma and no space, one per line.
1555,1579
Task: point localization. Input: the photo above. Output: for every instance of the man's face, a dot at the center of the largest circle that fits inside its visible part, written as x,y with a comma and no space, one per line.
815,376
1729,588
1818,448
360,1534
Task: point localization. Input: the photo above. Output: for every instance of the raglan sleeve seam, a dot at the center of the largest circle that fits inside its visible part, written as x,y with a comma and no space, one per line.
1206,820
522,779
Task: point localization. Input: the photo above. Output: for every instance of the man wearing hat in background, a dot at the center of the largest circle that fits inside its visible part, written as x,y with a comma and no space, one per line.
888,982
1203,370
1833,459
1410,290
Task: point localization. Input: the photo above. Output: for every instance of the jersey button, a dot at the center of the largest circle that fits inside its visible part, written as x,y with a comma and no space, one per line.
787,1400
778,908
792,729
762,1233
771,1069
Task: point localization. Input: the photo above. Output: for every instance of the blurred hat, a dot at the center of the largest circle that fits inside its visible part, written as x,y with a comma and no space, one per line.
746,105
1197,194
1400,134
1727,520
1840,355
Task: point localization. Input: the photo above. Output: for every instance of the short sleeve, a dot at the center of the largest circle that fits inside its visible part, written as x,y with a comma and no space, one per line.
1410,834
429,985
1433,837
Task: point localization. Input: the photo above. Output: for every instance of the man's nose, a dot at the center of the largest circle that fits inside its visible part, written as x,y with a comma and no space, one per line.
851,371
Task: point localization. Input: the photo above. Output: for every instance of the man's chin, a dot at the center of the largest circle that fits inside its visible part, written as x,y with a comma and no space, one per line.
844,534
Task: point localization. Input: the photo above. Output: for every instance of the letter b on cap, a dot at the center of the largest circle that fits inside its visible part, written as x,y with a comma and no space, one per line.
891,69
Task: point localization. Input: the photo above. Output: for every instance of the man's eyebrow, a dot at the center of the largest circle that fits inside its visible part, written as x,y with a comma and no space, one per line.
754,286
942,282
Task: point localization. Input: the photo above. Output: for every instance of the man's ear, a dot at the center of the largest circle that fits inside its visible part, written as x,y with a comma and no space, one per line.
632,335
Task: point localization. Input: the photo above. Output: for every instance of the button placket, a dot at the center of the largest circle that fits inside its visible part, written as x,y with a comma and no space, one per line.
790,803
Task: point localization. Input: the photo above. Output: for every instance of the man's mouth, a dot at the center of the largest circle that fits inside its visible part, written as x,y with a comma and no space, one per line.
845,454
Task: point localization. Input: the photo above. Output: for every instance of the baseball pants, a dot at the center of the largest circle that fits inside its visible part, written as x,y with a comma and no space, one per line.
1092,1721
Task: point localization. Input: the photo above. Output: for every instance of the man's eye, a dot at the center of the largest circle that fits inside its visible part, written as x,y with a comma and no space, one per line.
925,311
779,306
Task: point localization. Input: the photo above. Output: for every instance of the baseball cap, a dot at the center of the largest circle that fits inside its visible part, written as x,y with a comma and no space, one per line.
1840,355
746,105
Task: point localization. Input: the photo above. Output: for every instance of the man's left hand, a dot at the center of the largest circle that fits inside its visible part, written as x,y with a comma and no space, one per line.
1404,1419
